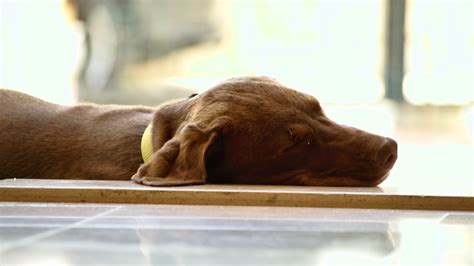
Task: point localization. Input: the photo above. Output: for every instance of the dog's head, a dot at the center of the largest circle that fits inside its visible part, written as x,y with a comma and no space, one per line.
256,131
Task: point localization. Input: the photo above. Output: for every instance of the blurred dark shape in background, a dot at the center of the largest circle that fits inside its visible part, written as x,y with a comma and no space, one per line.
119,33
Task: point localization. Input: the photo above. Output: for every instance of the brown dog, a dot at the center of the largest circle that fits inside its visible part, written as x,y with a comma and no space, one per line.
247,130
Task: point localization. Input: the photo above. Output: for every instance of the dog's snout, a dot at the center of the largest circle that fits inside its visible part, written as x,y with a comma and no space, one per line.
387,154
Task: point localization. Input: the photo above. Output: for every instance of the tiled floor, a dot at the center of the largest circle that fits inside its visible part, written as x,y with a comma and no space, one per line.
80,234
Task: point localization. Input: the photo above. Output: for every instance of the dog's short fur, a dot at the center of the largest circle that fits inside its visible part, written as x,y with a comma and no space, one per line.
249,130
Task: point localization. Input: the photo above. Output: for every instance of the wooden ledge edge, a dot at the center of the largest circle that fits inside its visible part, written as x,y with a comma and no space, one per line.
237,198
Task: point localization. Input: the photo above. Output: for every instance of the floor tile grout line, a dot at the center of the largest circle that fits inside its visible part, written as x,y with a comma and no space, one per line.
444,217
31,239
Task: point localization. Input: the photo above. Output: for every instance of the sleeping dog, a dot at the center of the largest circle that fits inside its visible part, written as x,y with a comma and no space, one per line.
248,130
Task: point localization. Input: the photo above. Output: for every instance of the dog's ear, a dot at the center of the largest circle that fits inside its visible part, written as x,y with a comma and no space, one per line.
181,160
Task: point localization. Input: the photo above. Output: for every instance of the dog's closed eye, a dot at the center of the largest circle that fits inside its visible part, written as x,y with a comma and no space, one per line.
298,134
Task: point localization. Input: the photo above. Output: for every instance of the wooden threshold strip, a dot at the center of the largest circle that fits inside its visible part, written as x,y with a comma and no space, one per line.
122,192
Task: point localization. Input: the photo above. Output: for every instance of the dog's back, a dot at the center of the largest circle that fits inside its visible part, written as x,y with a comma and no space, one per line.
44,140
22,118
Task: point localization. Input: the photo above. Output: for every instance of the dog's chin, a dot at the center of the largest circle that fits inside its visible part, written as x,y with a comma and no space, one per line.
381,179
351,180
374,181
322,179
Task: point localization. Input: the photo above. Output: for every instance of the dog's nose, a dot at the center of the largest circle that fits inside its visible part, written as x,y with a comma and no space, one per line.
387,154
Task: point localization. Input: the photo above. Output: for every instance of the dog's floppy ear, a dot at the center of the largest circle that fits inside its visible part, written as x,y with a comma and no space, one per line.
181,160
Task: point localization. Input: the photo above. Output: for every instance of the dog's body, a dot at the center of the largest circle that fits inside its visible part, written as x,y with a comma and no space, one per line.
44,140
245,130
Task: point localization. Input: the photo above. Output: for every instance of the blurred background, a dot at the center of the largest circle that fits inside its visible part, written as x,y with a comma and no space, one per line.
401,68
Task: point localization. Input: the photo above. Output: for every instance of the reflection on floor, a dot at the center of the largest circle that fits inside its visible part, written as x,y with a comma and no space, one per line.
73,234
